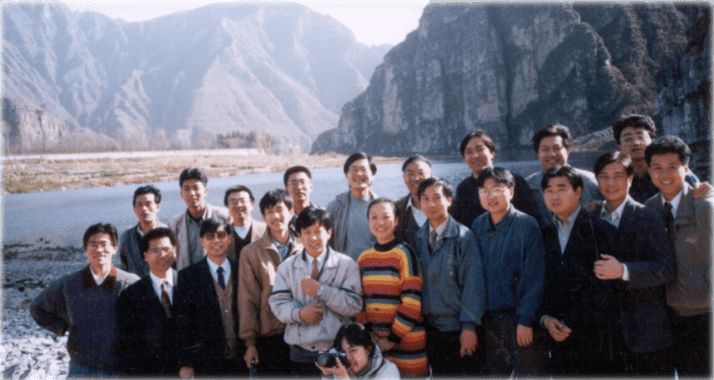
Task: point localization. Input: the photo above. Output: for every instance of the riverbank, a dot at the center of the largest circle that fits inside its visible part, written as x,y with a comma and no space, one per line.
58,172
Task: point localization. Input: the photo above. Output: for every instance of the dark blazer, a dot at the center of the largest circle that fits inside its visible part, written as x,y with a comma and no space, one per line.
572,293
643,245
147,337
200,336
407,226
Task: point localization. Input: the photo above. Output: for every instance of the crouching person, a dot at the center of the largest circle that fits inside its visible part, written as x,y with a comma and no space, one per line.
359,356
316,292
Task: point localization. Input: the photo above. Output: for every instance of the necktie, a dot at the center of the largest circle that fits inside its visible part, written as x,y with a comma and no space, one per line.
315,272
668,218
165,300
221,280
432,239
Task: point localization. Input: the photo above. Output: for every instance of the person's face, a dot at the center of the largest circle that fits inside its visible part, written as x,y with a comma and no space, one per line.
552,152
359,175
414,173
435,204
358,356
560,198
477,155
299,187
668,173
382,222
216,243
495,197
240,206
633,141
278,217
100,249
314,238
193,192
614,183
146,208
161,255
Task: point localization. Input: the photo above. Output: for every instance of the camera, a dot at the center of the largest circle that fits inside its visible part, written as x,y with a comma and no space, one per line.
329,359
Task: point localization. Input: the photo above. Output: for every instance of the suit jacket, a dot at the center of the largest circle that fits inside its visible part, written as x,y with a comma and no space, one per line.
147,336
177,224
257,229
590,307
407,226
641,243
200,336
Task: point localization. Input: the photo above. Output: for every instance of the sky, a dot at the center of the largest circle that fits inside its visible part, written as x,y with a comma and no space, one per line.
373,22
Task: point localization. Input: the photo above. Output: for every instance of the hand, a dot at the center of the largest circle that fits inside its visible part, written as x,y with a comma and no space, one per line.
385,344
186,372
310,286
311,313
338,371
703,190
251,353
469,341
524,335
608,268
557,329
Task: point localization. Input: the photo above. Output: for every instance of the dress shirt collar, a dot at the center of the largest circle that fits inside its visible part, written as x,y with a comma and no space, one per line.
97,279
419,215
675,202
439,230
615,216
565,228
213,267
156,282
242,232
320,259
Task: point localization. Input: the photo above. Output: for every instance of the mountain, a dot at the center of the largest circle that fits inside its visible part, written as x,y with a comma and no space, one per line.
181,78
513,69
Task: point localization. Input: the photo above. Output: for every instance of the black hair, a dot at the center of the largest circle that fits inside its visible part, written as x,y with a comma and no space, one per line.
237,189
148,189
379,200
311,215
99,228
413,159
193,173
614,157
500,175
436,182
668,144
552,130
634,121
562,171
295,169
356,335
211,225
273,197
360,156
157,233
477,134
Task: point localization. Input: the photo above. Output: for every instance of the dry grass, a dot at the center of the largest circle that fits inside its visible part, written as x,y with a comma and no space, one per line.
46,175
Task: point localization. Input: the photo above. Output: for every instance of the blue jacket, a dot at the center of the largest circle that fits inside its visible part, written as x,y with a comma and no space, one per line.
454,295
514,263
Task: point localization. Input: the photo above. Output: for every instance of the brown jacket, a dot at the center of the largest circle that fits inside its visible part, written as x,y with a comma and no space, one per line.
258,264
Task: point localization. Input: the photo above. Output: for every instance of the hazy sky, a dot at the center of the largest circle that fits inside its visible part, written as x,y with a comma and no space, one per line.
373,22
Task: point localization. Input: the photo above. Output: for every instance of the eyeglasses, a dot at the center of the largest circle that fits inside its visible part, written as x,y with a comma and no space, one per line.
496,192
236,201
211,235
161,251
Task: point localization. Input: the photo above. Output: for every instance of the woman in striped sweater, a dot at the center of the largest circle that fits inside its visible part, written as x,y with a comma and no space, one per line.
392,285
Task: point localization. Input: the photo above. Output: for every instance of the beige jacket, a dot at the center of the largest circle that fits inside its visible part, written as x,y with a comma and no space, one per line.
259,262
177,224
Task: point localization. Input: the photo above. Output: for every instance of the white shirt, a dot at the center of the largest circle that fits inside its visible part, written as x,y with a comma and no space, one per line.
97,279
615,216
213,267
675,203
156,283
565,228
242,231
439,230
320,260
419,215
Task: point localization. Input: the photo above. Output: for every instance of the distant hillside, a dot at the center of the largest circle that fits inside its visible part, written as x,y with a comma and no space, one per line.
513,69
177,80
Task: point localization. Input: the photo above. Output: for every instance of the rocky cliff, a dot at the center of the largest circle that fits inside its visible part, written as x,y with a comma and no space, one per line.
511,70
188,76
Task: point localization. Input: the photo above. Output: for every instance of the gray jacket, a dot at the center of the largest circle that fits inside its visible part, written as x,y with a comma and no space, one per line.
341,298
177,224
339,210
454,295
130,255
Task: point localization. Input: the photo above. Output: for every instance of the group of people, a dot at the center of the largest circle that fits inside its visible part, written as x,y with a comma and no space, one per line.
565,272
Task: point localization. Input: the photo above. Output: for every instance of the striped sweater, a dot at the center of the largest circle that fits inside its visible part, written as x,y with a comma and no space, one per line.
392,286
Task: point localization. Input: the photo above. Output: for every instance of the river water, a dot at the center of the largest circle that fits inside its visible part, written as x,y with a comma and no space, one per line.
62,216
